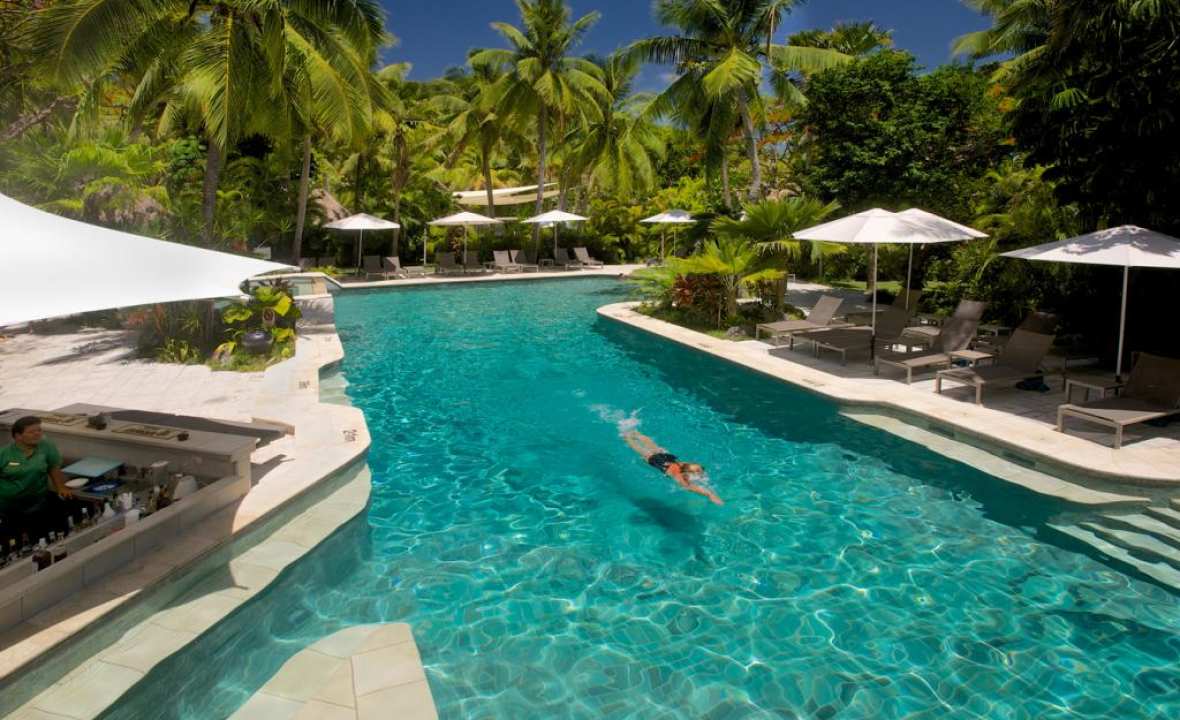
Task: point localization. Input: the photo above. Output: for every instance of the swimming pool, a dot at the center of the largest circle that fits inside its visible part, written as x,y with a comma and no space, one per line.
548,572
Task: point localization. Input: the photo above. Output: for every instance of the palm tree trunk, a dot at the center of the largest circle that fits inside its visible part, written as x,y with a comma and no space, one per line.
356,184
751,146
397,218
541,120
209,192
486,166
301,210
725,181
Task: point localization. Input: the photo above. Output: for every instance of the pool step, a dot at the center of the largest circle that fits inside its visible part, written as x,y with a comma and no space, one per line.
1161,572
1176,503
1146,524
1137,543
1165,514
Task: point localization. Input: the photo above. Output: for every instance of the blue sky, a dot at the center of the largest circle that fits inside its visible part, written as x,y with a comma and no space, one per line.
436,34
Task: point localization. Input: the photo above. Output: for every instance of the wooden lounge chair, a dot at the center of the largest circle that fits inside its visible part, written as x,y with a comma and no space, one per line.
820,317
562,260
1020,359
526,262
445,261
927,334
1152,392
891,323
371,266
306,264
503,262
583,256
899,303
957,334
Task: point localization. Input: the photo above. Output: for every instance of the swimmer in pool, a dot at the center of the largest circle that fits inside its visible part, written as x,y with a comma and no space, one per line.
685,474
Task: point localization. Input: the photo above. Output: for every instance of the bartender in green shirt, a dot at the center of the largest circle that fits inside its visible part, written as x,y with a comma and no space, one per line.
31,480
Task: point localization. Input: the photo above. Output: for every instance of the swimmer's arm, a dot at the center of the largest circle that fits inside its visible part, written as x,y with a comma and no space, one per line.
678,476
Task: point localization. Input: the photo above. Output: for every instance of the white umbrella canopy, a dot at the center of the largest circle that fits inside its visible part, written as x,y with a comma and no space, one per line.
671,217
882,227
1126,246
930,229
554,218
464,219
61,267
360,223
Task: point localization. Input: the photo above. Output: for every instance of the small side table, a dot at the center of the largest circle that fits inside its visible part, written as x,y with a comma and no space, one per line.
973,357
1102,383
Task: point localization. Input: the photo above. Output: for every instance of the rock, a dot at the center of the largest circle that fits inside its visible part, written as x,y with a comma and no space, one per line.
736,333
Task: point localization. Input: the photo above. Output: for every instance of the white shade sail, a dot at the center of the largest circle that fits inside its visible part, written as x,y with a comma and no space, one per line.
465,219
362,222
1126,246
57,266
505,196
554,216
672,217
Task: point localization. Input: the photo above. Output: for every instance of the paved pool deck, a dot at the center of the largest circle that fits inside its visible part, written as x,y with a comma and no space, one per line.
1012,425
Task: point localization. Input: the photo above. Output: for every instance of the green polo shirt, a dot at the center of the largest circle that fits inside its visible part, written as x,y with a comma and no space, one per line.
24,480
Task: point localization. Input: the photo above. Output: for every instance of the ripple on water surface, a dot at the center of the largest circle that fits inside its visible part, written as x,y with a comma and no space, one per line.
548,572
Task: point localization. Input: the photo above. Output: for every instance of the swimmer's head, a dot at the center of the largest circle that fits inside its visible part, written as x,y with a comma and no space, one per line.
693,470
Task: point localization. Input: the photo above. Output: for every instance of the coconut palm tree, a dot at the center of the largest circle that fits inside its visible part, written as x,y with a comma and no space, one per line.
851,38
543,81
724,47
221,62
475,122
618,146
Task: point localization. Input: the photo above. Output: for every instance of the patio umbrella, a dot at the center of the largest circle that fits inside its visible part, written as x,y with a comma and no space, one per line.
881,227
464,219
932,229
1126,246
671,217
360,223
60,266
554,218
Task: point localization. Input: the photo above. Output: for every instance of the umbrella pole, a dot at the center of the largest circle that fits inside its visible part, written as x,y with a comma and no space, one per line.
554,239
1118,373
909,271
873,338
425,235
360,245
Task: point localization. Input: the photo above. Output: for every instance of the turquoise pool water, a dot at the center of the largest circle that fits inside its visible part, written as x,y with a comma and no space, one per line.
549,573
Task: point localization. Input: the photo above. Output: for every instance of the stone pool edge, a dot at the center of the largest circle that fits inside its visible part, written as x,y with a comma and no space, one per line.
1054,453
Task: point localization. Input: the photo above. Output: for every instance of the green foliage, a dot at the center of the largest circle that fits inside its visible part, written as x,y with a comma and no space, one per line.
269,309
883,135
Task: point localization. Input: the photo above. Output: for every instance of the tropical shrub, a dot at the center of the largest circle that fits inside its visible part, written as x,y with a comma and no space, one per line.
270,309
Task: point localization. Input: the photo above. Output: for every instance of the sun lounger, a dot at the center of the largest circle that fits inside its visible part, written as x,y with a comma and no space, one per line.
395,268
562,260
445,261
1020,359
1152,392
899,303
819,318
526,262
583,256
371,267
1037,322
503,262
890,325
927,334
956,335
471,263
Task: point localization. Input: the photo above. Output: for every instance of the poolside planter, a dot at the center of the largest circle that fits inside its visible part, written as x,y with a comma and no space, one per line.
256,342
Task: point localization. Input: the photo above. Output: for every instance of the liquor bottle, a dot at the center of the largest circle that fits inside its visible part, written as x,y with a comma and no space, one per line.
13,553
41,558
26,548
69,524
85,517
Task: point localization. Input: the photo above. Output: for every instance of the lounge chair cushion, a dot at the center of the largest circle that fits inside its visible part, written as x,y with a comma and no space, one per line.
1154,379
1121,410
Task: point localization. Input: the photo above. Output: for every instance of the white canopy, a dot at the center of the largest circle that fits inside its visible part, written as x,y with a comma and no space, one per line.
464,219
554,216
1126,246
57,266
362,222
881,227
671,217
